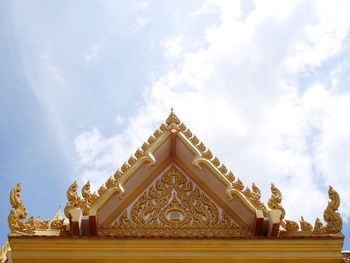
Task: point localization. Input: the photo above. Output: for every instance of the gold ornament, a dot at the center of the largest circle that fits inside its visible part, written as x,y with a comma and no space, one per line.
74,199
318,228
275,201
173,207
291,226
19,213
305,226
57,222
89,199
254,197
330,215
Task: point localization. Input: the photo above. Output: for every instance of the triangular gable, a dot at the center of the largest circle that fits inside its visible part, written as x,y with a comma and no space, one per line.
173,144
174,206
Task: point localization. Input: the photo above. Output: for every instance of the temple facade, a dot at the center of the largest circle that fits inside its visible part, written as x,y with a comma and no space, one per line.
172,201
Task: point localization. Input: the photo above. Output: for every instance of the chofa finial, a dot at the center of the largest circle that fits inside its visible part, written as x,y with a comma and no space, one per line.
172,119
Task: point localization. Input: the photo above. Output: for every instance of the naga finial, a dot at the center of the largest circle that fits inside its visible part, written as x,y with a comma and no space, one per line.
89,199
330,215
19,213
275,200
74,199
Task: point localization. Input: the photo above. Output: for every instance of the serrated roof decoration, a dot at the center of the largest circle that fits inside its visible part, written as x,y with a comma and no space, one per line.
174,125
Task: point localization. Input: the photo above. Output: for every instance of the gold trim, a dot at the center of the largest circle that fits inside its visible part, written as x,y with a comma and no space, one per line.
136,192
173,196
180,250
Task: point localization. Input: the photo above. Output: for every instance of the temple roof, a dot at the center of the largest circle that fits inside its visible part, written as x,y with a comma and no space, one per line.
173,181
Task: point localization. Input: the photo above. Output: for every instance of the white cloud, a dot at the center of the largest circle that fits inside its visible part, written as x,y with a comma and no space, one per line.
236,95
143,6
172,47
142,21
93,53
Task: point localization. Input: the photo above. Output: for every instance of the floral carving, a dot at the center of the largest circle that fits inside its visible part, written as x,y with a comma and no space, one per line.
174,207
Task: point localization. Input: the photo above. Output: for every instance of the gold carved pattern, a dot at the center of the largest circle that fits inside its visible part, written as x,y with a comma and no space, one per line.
330,215
305,226
57,222
74,199
19,213
173,207
89,199
173,124
3,252
275,201
254,196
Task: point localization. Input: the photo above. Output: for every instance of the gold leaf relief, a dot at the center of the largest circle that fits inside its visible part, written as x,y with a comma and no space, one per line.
157,133
110,182
131,160
194,140
275,200
216,161
74,199
238,185
182,127
318,228
188,134
172,119
207,155
174,207
163,128
151,139
305,226
145,146
117,174
101,190
201,147
330,215
125,167
18,215
89,199
223,169
291,226
231,177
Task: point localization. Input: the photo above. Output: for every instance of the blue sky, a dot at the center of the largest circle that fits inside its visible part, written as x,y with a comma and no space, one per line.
264,84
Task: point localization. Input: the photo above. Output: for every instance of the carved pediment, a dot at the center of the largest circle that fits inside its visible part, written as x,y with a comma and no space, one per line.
174,206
